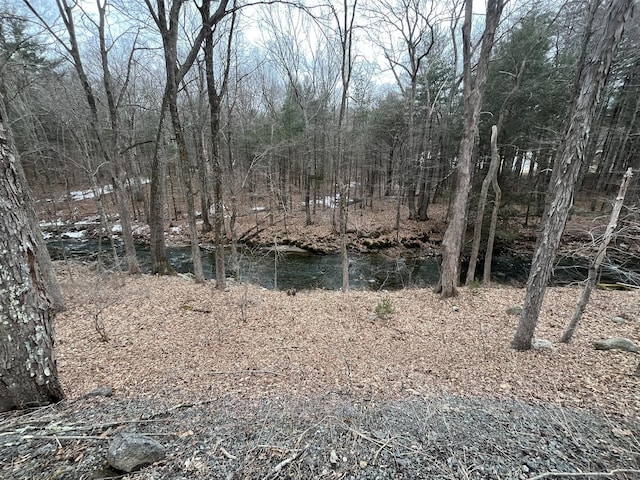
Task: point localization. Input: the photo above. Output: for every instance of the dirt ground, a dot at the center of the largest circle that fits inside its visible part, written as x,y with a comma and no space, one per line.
250,383
255,384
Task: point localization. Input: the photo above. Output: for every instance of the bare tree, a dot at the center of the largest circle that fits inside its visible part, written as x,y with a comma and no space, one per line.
215,93
473,95
345,24
110,148
497,192
594,267
592,74
28,368
414,23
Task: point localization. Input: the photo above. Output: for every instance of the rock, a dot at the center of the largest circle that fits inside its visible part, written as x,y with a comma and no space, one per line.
618,343
542,344
102,391
515,310
619,320
130,451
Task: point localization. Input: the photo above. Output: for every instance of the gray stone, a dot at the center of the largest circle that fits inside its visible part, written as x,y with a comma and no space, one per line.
619,320
618,343
515,310
103,391
131,451
541,344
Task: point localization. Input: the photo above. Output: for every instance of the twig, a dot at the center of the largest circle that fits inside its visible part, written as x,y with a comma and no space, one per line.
375,457
227,454
251,371
57,438
584,474
276,470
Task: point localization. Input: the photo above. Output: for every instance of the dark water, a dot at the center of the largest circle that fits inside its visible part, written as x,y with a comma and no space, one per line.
308,271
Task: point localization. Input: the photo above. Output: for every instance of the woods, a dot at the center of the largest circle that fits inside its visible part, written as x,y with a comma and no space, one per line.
197,113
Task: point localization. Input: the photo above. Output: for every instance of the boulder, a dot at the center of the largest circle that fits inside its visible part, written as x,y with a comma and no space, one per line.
131,451
618,343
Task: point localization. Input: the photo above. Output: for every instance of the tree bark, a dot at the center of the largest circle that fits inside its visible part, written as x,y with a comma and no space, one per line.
28,371
597,261
215,96
453,240
484,191
592,76
488,257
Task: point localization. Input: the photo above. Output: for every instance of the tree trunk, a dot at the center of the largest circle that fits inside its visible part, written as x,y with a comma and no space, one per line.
215,95
28,371
454,236
159,262
592,76
488,257
597,261
185,168
477,228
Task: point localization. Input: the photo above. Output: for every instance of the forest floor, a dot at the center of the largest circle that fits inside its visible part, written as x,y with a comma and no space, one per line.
251,383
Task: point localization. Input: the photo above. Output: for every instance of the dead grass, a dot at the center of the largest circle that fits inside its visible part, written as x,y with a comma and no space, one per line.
171,337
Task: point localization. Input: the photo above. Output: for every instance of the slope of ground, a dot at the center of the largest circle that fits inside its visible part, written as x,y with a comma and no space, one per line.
171,336
250,383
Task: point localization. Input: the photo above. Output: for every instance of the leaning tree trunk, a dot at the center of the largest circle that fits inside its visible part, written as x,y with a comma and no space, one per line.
597,261
488,257
484,191
592,76
28,371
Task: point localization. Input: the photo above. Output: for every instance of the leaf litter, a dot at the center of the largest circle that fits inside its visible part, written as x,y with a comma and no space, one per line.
252,383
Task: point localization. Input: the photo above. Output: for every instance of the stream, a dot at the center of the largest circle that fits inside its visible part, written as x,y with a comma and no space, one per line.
372,271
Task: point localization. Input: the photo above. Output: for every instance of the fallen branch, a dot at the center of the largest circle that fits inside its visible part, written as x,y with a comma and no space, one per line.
618,343
584,474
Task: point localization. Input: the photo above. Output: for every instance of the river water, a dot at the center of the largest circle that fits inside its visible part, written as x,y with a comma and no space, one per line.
285,270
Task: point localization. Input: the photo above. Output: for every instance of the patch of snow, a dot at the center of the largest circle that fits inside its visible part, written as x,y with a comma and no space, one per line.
259,209
57,223
117,228
86,223
175,230
90,193
75,235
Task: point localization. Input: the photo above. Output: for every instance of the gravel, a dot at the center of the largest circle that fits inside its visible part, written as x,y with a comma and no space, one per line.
334,437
